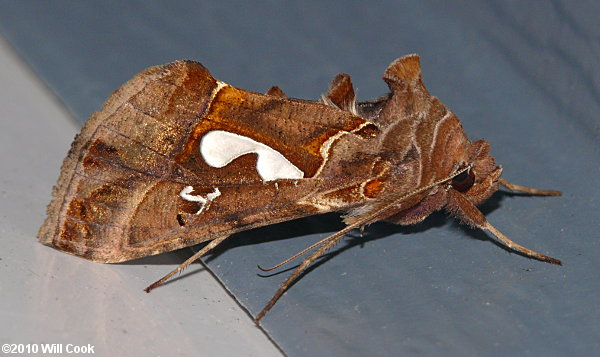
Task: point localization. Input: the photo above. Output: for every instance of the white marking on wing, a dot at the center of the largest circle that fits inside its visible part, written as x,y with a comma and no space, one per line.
219,148
204,202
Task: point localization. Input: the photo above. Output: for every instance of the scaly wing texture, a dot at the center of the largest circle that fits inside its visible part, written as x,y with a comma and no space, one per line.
119,195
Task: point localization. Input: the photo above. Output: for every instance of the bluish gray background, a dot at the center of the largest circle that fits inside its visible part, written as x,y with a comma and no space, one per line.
522,74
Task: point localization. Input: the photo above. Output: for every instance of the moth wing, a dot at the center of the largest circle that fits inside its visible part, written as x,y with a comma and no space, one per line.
135,182
121,154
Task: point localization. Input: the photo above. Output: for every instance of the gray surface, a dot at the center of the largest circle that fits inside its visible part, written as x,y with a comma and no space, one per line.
523,75
50,297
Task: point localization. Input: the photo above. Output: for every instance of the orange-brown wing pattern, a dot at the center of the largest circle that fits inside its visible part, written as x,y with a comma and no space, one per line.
135,182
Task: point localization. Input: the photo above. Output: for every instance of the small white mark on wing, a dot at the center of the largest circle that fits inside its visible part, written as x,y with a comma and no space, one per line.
204,202
219,148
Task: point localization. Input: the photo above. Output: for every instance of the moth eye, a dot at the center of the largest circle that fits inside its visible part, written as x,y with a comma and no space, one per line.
464,181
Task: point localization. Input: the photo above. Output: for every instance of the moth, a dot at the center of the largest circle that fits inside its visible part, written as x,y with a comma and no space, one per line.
176,158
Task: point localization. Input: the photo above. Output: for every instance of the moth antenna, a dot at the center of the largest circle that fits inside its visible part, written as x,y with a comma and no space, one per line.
519,248
394,199
295,256
333,239
528,190
189,261
328,243
361,227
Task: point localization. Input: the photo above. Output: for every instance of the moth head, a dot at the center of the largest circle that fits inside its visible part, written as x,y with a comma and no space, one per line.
480,181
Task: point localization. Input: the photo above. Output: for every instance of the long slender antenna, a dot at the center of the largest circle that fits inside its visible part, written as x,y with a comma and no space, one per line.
295,255
324,240
330,241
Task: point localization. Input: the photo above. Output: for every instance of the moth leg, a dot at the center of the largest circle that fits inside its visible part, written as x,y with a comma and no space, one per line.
357,222
464,210
519,248
210,246
327,244
529,190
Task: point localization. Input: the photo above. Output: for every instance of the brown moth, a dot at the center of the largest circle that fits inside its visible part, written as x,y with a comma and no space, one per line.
176,158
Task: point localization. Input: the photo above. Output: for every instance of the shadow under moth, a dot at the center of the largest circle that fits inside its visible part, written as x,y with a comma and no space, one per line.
177,157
